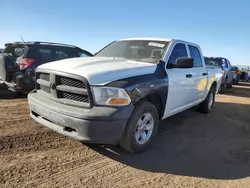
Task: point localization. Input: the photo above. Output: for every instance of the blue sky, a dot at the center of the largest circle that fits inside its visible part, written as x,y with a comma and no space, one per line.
220,27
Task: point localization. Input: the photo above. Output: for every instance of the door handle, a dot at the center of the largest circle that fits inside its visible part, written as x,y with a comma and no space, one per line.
204,74
189,75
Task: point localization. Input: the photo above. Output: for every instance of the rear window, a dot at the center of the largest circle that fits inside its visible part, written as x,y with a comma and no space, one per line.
215,62
15,50
212,62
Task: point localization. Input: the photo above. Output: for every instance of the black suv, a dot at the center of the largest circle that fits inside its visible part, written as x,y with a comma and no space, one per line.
19,60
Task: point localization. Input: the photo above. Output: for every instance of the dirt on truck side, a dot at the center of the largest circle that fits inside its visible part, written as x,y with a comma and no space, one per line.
191,150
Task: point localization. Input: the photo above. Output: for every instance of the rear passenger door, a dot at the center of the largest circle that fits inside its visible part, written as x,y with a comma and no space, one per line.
199,72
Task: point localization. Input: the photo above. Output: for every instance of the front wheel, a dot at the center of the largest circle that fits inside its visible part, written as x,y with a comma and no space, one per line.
207,105
141,128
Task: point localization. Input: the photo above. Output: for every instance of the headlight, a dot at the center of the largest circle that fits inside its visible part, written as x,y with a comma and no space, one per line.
110,96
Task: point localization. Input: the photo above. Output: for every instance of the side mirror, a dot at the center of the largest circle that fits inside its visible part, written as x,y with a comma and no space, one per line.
184,62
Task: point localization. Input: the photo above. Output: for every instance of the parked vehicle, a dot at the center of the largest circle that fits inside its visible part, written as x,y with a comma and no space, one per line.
212,64
236,74
244,77
19,60
121,94
1,50
227,79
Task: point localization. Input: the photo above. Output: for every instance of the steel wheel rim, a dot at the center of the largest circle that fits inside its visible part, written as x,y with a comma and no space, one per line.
144,128
210,101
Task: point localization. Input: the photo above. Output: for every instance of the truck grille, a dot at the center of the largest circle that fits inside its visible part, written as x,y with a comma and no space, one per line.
44,76
71,82
45,88
68,88
72,96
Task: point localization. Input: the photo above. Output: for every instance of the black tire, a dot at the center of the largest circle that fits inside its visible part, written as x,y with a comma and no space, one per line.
128,141
204,106
230,85
235,82
223,88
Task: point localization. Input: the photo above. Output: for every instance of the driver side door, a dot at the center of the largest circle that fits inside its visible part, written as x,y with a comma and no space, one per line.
181,90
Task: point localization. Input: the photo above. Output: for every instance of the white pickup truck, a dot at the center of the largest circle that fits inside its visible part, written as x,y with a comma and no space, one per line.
121,94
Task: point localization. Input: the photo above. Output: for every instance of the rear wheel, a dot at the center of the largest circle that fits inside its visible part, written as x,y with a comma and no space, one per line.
230,85
207,105
141,128
235,82
223,88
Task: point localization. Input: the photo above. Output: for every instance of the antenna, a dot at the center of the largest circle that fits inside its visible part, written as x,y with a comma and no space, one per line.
22,38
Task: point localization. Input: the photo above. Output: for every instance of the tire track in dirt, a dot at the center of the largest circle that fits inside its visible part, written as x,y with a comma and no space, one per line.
82,170
30,142
43,172
96,170
23,126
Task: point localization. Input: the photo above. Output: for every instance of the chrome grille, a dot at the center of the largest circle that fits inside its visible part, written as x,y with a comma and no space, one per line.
67,89
71,82
44,76
75,97
45,88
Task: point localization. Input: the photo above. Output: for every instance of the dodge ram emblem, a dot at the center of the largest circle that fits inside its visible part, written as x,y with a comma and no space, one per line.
52,86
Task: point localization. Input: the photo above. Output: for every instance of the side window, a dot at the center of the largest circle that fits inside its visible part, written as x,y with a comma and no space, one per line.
227,63
63,53
195,54
46,55
81,54
60,55
178,51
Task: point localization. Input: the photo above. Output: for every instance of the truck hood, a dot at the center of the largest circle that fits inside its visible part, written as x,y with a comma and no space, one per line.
101,70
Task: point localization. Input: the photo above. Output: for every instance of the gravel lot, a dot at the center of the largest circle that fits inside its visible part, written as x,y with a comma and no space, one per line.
191,150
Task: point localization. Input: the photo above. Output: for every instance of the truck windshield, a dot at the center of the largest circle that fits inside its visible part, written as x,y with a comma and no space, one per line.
139,50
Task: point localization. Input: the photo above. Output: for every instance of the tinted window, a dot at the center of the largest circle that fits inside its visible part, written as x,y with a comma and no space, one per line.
212,62
60,55
82,54
178,51
226,62
46,54
223,63
195,54
63,53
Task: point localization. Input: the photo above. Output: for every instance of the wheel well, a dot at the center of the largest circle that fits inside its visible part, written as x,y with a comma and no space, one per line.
214,85
156,101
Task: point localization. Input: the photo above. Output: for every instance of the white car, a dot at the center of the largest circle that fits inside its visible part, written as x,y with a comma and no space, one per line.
122,93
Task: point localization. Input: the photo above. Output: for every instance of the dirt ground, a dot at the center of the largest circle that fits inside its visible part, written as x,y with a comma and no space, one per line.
191,150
